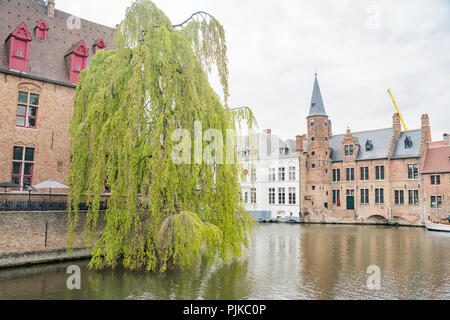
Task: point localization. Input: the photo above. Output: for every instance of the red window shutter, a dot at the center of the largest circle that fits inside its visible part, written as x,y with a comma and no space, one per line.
99,45
19,44
77,58
41,30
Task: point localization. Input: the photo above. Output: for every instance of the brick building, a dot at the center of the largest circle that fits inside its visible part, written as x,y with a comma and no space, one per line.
436,180
373,176
42,53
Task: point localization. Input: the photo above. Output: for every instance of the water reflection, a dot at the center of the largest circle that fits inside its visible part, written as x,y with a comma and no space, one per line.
285,262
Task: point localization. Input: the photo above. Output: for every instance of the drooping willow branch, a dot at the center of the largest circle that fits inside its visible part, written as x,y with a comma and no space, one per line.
127,104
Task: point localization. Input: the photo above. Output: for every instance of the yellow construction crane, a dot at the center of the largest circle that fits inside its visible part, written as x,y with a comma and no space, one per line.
398,111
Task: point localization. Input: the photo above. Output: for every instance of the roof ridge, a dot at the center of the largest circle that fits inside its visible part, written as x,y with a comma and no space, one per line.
373,130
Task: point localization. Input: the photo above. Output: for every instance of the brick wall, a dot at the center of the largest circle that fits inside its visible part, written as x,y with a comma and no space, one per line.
51,137
22,232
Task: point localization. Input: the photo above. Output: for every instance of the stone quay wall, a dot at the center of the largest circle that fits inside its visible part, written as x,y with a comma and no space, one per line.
39,237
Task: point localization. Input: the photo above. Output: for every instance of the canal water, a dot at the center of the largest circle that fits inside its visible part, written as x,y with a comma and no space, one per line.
285,262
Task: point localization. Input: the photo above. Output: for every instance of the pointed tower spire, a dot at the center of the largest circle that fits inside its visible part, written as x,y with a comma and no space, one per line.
317,106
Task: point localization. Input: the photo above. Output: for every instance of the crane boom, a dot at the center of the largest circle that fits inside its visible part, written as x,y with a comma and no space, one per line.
398,111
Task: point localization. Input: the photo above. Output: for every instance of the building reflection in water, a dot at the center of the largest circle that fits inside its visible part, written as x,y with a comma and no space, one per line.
284,262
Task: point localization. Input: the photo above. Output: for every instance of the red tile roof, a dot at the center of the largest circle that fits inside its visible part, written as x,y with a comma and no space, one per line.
437,160
47,57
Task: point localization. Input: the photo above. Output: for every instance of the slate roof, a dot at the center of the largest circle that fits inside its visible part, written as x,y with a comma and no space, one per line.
401,151
317,106
381,140
47,57
437,160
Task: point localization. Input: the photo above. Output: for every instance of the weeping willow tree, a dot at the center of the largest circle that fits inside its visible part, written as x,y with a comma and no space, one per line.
127,105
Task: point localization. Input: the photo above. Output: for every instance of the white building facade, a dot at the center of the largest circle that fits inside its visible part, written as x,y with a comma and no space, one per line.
271,184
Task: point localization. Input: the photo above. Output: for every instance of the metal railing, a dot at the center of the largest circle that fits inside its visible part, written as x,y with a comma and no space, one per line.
40,202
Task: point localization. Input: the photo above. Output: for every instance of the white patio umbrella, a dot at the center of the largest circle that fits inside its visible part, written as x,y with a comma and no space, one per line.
51,184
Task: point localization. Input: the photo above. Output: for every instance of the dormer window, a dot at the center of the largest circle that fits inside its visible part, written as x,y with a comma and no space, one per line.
349,150
284,151
41,30
18,47
369,145
76,60
408,142
99,45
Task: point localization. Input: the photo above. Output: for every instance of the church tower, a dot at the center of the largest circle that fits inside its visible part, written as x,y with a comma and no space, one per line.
318,163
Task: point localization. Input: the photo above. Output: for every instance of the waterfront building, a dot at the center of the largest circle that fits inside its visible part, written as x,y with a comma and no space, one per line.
42,54
271,177
373,176
436,180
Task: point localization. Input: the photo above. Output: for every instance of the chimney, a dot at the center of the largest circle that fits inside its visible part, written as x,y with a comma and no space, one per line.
51,8
397,126
300,140
447,139
426,130
426,135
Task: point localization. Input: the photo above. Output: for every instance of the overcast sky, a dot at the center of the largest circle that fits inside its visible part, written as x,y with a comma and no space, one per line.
359,48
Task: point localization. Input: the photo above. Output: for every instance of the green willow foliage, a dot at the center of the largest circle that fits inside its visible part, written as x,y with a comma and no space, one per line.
127,104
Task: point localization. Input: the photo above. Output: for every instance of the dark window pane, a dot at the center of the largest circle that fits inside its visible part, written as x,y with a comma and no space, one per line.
34,99
28,169
16,168
20,121
23,97
29,154
18,153
31,122
21,110
32,112
15,180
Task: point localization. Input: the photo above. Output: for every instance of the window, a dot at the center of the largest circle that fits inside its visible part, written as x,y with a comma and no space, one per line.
313,166
312,124
253,174
313,139
379,172
369,145
272,174
292,196
281,174
364,173
350,174
313,188
413,197
379,196
435,180
436,202
349,150
292,174
253,196
27,110
41,30
336,175
336,196
23,161
364,196
246,197
413,172
399,197
18,43
281,196
408,142
313,153
272,196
